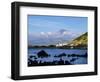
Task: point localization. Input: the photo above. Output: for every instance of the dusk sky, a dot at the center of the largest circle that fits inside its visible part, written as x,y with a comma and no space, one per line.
47,30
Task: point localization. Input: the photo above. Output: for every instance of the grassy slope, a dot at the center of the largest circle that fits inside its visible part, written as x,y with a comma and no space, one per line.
80,41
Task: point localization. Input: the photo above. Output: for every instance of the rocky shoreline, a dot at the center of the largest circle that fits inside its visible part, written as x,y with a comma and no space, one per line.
32,60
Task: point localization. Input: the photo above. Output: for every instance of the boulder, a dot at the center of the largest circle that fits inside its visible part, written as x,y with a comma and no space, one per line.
42,53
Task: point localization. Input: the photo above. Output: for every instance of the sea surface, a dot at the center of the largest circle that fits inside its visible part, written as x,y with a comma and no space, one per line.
54,51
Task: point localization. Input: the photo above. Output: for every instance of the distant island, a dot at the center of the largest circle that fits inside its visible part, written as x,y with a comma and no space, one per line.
79,42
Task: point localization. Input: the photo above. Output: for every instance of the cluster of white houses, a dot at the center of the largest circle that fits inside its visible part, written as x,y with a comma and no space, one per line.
64,44
61,44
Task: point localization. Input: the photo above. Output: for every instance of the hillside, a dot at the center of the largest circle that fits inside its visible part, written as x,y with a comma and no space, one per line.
80,41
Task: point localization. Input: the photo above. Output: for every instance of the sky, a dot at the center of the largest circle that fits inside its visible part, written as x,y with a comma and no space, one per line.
50,30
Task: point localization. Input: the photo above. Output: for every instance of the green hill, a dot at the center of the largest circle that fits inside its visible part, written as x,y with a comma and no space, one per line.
80,41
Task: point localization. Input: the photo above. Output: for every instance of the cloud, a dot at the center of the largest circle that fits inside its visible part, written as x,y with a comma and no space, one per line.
49,33
42,33
46,38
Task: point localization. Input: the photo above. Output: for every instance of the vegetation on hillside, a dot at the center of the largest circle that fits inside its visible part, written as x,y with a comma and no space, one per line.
80,41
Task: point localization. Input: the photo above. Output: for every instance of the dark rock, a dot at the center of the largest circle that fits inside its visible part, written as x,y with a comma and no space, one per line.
42,53
61,62
85,55
32,56
55,56
72,60
67,62
62,54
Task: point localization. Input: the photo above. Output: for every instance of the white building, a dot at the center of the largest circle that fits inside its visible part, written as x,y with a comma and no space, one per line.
61,44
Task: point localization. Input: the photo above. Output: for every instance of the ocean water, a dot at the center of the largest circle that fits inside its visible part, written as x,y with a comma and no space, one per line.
54,51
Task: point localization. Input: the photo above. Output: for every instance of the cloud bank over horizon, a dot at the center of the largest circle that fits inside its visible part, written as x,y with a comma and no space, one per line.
51,38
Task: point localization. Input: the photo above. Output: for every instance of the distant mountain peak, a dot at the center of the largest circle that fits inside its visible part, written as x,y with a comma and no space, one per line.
62,30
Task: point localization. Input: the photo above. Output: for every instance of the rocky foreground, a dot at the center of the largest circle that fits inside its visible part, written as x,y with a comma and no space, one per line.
33,60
